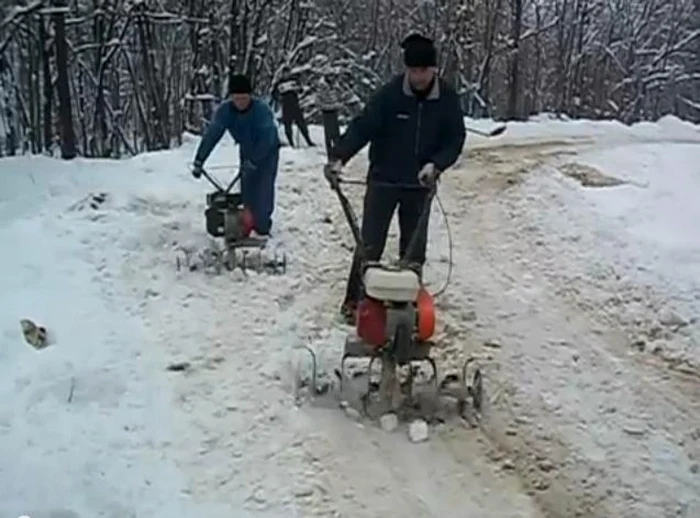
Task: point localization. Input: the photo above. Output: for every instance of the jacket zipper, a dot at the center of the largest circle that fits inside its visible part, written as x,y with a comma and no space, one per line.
420,110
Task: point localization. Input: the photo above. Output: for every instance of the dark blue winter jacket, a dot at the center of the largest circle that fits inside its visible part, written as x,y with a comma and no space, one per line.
406,132
254,130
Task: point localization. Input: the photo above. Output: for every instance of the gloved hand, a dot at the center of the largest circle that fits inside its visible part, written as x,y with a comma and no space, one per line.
197,171
428,175
332,171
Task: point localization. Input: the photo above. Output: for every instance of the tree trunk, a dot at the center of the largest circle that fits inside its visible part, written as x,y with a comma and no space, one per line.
47,86
514,75
65,113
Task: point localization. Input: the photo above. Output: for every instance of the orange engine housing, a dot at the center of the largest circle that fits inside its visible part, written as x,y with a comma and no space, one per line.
247,223
425,309
371,319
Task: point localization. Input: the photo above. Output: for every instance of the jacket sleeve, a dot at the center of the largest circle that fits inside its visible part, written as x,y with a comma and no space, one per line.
212,135
362,128
266,138
454,135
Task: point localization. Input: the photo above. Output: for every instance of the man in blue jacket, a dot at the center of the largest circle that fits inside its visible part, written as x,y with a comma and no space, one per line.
415,128
251,123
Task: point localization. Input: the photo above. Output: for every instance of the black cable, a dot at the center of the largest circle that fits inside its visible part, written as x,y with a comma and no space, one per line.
450,248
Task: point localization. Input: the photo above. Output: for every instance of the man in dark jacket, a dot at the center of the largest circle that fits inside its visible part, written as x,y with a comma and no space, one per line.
251,123
415,129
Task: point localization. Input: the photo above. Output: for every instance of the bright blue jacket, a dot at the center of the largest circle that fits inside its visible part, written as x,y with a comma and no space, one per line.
254,130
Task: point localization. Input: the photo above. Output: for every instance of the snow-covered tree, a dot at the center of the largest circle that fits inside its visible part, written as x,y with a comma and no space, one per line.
114,77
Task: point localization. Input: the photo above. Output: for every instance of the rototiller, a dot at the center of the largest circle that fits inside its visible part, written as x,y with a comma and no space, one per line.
395,324
229,220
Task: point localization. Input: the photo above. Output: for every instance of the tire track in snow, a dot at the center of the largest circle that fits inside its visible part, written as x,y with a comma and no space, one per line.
586,426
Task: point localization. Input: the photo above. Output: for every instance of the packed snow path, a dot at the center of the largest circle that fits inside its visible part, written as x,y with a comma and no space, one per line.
596,388
590,342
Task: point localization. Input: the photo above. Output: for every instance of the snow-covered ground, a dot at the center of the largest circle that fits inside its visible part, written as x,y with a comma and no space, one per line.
579,293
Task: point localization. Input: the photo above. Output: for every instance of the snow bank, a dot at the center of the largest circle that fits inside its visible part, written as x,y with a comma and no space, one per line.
82,423
543,127
618,206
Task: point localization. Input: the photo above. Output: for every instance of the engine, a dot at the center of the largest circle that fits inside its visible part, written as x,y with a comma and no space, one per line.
227,217
392,295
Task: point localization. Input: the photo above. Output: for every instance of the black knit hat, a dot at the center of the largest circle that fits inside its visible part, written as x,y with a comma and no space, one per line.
419,51
239,84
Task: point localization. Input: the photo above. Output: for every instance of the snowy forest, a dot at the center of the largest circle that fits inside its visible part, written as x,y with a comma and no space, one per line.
109,78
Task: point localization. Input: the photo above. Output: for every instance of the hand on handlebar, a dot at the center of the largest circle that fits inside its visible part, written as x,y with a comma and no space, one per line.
428,175
332,172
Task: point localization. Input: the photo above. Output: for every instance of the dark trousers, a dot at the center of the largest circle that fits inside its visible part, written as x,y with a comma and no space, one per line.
288,123
331,130
379,205
258,192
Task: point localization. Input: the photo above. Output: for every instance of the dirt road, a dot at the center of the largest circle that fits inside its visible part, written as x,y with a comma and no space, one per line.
594,426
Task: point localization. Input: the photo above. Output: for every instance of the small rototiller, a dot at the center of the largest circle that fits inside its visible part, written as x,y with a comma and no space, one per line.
229,220
395,324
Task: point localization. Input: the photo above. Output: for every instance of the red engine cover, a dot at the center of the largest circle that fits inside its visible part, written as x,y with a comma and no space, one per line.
247,222
371,321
